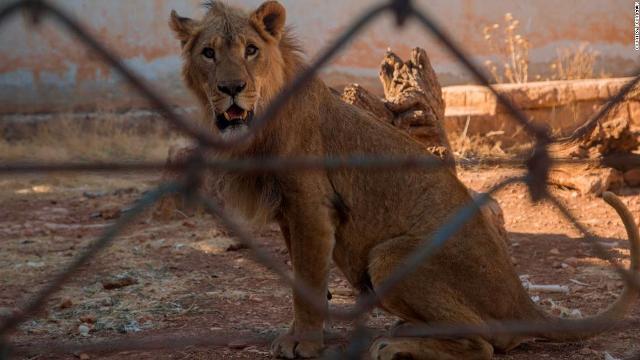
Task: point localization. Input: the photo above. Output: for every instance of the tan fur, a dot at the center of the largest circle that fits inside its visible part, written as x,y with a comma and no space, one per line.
367,222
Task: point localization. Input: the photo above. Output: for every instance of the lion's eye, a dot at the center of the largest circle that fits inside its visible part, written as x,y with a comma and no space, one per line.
209,53
251,50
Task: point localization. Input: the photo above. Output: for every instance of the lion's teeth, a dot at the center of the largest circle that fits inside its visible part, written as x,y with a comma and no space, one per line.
226,116
244,114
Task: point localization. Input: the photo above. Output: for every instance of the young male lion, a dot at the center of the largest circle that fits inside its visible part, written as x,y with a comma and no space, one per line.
235,62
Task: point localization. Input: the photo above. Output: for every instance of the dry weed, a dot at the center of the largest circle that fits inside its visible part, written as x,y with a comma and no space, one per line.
512,49
575,63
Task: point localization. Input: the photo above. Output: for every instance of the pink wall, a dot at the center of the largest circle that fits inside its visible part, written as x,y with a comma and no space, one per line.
45,70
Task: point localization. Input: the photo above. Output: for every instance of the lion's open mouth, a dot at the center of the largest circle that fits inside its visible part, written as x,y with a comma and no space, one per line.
235,116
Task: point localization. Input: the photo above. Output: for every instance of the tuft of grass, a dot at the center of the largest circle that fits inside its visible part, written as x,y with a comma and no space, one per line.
575,63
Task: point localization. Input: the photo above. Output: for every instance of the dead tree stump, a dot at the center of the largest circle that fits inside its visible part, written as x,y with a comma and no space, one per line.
413,103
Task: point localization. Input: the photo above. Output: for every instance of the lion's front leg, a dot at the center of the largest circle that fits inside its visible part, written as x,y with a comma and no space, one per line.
308,224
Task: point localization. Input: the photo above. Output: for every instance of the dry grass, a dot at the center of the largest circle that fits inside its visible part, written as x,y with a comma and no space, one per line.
512,49
486,145
571,63
66,137
575,63
111,137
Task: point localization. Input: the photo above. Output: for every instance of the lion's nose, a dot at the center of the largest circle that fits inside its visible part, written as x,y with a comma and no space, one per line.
232,88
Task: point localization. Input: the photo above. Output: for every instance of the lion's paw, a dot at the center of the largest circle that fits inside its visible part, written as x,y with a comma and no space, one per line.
287,347
385,349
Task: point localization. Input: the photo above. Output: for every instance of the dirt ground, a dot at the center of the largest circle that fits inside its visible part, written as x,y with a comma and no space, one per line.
186,277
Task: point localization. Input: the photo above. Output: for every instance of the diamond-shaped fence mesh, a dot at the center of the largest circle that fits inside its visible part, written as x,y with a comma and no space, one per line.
538,165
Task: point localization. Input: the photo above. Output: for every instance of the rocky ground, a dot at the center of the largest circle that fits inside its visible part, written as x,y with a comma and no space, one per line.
187,277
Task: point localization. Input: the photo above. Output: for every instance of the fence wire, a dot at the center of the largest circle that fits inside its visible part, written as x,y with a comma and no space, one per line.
537,167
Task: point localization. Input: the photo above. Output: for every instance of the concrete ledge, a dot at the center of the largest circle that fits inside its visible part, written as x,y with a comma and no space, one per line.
562,105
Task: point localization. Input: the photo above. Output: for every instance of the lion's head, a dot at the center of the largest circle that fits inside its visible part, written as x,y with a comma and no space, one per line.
234,61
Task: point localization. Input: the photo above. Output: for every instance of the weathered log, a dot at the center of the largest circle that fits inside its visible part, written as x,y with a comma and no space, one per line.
596,140
586,179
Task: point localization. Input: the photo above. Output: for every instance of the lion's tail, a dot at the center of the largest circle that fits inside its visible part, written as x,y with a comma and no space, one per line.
605,320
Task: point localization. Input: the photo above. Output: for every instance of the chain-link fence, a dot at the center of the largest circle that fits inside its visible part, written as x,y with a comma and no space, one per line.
538,165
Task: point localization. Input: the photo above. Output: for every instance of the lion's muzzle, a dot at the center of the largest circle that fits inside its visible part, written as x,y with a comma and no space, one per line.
234,118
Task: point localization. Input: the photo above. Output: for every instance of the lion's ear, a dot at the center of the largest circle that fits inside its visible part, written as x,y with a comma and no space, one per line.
269,19
183,27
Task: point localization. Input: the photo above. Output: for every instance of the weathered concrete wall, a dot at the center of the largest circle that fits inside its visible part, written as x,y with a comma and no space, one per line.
45,70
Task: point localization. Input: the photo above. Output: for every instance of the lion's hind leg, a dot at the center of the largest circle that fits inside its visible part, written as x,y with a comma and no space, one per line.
423,297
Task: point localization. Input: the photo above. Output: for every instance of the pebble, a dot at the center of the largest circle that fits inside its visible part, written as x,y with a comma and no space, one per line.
237,345
66,303
571,261
118,282
554,251
585,351
58,211
83,330
94,194
5,312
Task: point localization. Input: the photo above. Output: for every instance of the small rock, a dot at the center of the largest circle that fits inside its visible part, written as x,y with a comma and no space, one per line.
632,177
610,285
35,264
236,247
554,251
66,303
83,329
132,327
571,261
237,345
84,356
107,302
557,265
58,211
118,282
189,224
5,312
94,194
585,351
110,213
125,191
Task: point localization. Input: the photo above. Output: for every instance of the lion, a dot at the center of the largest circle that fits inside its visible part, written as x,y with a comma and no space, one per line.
367,223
